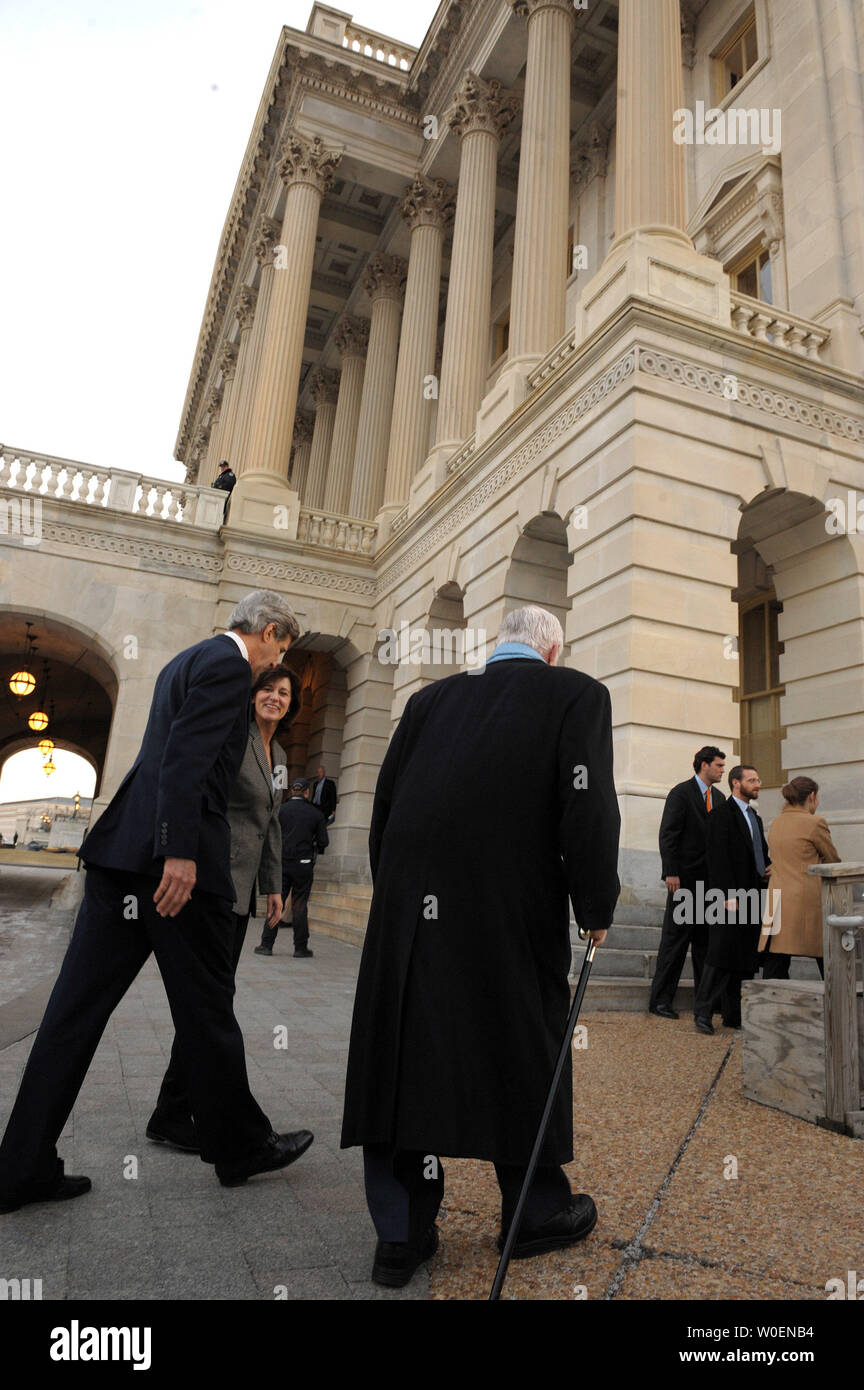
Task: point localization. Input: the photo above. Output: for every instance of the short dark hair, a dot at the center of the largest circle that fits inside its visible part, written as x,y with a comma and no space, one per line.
707,755
268,679
735,774
224,463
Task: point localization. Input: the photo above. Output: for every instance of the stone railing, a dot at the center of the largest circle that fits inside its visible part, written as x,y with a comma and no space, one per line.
371,45
767,324
345,533
118,489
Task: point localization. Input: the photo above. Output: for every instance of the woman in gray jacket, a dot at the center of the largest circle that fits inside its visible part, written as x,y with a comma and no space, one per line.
256,857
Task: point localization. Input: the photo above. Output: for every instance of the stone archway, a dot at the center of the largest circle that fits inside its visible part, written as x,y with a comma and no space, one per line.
538,568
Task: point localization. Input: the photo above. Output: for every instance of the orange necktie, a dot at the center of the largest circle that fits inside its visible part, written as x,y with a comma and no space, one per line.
708,799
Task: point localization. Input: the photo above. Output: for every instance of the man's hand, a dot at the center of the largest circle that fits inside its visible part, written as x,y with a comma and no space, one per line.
673,883
274,908
175,888
598,937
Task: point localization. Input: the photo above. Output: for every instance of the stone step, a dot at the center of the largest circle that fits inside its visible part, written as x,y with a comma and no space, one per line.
636,914
355,907
322,925
627,993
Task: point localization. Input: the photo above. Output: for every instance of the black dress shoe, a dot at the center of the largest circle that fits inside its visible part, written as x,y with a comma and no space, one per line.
395,1263
735,1026
279,1151
60,1189
663,1011
263,950
704,1025
575,1222
303,954
176,1134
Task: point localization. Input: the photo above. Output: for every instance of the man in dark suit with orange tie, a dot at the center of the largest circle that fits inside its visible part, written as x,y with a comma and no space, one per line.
683,831
158,879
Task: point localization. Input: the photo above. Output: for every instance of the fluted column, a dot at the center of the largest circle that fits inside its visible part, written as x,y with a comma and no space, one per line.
214,409
228,355
384,282
352,340
244,312
427,208
303,426
307,170
649,165
479,115
265,242
542,198
325,392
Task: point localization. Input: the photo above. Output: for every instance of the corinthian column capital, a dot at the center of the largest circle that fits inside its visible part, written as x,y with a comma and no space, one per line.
266,238
384,277
308,161
526,8
428,203
228,359
214,401
244,310
304,424
352,336
325,386
479,104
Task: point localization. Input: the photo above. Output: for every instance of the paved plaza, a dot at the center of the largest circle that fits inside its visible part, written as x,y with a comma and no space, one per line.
659,1119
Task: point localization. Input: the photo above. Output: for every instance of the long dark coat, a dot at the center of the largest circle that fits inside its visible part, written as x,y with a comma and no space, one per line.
478,836
733,945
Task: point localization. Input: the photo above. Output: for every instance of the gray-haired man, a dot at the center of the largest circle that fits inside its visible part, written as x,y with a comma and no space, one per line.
165,830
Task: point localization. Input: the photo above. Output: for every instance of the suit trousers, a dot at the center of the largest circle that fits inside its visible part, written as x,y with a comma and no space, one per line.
674,943
117,928
173,1105
721,987
775,965
404,1189
296,880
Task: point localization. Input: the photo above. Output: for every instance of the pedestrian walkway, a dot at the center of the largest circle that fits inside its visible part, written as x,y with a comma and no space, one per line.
701,1194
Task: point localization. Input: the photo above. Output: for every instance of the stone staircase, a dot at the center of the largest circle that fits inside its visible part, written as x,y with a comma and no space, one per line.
620,976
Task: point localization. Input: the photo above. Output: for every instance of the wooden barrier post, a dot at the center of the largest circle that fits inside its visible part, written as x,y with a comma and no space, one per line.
841,931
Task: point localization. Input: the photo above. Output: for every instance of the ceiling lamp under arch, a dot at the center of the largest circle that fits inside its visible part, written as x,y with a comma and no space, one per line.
49,767
38,721
46,746
22,683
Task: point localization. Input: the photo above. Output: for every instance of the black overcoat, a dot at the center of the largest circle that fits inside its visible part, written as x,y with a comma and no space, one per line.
733,944
495,802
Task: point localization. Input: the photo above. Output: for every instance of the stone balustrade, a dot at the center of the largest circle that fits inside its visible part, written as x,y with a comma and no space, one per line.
346,533
459,460
767,324
117,489
371,45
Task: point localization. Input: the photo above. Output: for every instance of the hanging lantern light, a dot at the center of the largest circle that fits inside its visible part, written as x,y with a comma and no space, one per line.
49,767
22,683
46,746
38,721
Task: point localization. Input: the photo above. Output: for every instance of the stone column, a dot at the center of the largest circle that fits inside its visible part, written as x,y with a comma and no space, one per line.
652,256
479,115
214,410
244,312
427,208
384,282
303,426
307,170
543,194
228,355
352,340
325,392
265,243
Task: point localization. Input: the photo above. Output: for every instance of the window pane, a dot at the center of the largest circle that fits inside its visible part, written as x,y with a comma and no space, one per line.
765,289
752,650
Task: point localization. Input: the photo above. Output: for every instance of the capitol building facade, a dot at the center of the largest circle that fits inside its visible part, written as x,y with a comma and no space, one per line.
564,307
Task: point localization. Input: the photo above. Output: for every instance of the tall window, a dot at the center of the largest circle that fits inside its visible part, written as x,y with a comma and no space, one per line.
737,55
759,651
752,275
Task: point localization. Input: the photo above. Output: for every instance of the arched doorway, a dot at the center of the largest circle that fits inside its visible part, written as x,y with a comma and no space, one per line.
538,568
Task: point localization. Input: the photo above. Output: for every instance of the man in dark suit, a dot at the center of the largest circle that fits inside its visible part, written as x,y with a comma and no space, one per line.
304,837
324,794
738,872
165,830
463,992
683,831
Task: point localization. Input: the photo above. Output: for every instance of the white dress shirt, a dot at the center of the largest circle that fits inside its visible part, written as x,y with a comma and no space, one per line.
240,643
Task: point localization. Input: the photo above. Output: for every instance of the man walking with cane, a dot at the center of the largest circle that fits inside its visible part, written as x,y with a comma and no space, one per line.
463,991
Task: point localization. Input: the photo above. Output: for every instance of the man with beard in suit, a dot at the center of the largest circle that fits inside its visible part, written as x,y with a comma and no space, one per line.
683,832
738,870
158,880
463,993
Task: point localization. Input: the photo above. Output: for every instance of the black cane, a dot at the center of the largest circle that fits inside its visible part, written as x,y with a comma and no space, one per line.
563,1056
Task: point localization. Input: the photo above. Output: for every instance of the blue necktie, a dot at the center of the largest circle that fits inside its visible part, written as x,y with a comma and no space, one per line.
757,842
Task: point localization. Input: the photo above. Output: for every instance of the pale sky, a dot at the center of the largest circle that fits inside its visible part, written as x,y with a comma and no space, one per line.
124,126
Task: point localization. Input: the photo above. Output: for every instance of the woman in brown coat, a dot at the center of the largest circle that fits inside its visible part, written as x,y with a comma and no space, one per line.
797,837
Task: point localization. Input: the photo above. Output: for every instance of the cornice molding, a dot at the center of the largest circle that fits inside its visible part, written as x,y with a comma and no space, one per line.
301,574
203,564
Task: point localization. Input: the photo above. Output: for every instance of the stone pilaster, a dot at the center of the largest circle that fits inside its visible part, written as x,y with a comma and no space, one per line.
325,393
228,355
427,208
352,340
306,168
244,312
264,246
213,406
304,424
384,282
479,115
